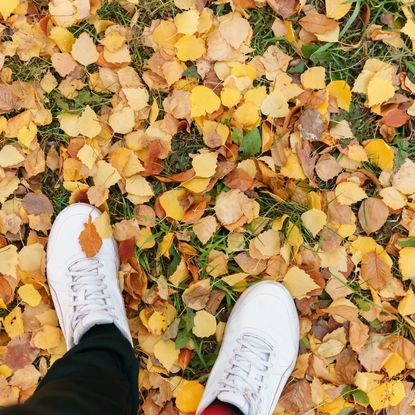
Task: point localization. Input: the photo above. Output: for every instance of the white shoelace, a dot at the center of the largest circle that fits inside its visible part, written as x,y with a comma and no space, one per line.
248,367
88,289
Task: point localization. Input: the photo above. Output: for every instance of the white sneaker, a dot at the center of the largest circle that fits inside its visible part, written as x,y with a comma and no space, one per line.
258,353
84,290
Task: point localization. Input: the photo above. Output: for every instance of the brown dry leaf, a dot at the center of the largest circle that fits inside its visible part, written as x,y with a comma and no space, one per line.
205,228
297,397
97,195
373,214
317,23
375,271
311,125
20,352
89,239
197,295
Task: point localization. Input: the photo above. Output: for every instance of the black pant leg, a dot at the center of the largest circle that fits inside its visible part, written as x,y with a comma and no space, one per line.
99,376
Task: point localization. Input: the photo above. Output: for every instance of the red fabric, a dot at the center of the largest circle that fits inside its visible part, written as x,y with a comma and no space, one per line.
220,408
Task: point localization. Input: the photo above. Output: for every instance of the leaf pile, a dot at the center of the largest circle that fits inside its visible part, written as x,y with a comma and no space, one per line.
219,156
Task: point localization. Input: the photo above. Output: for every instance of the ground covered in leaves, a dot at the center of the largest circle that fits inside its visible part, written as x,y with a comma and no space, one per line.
225,142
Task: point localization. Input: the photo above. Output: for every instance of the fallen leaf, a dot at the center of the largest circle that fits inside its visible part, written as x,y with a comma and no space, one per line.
373,214
204,324
188,396
375,271
89,239
298,282
84,50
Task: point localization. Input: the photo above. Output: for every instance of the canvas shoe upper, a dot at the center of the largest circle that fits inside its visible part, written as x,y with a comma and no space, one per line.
258,352
84,290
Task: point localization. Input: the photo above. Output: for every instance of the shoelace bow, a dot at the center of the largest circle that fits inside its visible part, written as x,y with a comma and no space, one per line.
248,366
87,288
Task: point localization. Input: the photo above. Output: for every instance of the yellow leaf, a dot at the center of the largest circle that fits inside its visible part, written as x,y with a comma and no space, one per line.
341,91
7,187
298,282
10,156
188,396
13,323
386,394
137,185
292,168
166,244
103,225
204,324
165,34
379,90
7,7
205,164
106,174
407,262
48,337
84,50
247,114
336,9
275,105
348,193
357,153
29,294
203,101
69,124
314,78
145,239
406,306
230,97
404,179
32,258
330,36
393,198
157,323
181,274
380,153
137,97
88,155
27,134
235,279
88,123
190,48
8,260
166,353
294,237
314,220
409,29
122,120
63,38
265,245
5,371
197,184
170,202
394,364
242,70
334,407
187,22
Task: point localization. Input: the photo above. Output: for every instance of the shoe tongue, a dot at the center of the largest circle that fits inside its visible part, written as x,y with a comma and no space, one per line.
89,321
235,400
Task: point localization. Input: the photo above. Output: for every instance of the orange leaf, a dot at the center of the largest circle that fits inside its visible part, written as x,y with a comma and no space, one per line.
395,118
126,249
184,358
245,4
89,239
